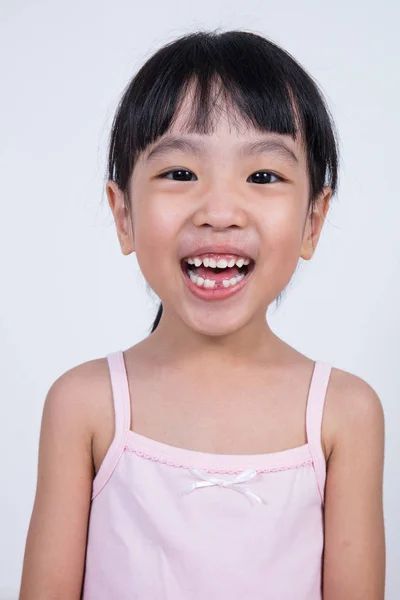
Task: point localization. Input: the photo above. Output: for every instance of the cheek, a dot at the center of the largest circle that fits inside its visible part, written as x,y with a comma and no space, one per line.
284,223
155,232
157,217
283,234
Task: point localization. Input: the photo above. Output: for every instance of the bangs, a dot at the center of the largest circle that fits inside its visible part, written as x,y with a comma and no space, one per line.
207,99
242,74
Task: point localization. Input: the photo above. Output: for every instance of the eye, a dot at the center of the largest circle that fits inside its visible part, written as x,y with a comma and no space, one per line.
179,175
263,177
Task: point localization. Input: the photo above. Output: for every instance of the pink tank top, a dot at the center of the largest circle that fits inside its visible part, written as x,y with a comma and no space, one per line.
174,524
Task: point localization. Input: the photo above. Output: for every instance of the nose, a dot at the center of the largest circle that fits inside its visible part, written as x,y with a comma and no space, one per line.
221,208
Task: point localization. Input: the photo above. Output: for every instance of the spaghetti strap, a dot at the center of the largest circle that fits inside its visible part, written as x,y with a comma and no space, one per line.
122,419
119,383
314,413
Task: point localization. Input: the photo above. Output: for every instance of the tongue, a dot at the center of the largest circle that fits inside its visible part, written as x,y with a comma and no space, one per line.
208,273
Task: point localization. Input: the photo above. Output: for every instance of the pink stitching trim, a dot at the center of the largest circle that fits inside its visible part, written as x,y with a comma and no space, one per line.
171,463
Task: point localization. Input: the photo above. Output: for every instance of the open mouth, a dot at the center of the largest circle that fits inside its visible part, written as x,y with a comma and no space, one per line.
217,273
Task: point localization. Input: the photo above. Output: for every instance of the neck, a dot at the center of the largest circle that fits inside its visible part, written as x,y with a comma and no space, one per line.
253,342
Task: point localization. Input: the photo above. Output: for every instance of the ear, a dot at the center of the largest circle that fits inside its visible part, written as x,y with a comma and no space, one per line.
122,219
314,223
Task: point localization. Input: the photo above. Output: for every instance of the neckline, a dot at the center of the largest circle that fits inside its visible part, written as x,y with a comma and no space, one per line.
182,457
225,463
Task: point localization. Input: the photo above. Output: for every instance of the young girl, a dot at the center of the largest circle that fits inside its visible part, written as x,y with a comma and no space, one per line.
213,461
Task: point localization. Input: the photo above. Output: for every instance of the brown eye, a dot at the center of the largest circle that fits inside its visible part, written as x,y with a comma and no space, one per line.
263,177
179,175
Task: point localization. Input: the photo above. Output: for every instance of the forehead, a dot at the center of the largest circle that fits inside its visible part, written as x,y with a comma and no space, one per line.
226,140
224,125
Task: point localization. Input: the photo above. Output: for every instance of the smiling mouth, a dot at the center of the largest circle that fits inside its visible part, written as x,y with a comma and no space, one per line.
217,272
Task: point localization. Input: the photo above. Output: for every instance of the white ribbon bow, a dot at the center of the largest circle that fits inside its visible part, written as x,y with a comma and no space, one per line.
209,480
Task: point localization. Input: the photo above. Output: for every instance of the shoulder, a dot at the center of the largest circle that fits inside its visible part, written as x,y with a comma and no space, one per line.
78,388
353,411
80,398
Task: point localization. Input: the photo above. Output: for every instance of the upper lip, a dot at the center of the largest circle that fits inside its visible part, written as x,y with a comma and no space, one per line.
218,249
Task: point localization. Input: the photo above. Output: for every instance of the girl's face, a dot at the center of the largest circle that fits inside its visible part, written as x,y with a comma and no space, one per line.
235,193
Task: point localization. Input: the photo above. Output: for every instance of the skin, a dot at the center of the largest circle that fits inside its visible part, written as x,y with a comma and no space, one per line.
225,383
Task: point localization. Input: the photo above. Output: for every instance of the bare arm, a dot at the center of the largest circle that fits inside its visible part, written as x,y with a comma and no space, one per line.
55,549
354,557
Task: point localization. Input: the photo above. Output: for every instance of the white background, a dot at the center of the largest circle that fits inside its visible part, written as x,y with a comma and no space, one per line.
69,295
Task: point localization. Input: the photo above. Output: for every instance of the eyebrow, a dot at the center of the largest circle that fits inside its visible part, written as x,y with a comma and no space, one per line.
197,147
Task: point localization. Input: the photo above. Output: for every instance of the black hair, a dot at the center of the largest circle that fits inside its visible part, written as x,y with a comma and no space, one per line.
263,83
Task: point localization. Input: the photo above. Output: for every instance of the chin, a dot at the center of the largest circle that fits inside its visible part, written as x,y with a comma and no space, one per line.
214,326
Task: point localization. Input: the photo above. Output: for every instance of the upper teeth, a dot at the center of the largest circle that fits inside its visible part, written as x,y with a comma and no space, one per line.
220,264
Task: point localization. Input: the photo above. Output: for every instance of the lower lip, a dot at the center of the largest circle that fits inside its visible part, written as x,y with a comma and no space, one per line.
215,293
